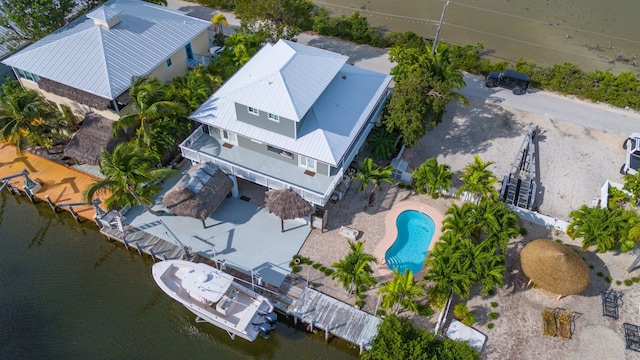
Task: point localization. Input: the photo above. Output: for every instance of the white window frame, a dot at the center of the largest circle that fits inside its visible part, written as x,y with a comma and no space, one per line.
307,163
229,137
253,111
274,117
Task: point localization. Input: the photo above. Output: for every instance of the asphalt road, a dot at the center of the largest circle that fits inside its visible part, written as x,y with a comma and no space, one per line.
596,116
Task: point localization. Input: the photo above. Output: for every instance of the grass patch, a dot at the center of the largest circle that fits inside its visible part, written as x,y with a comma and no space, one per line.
494,304
559,241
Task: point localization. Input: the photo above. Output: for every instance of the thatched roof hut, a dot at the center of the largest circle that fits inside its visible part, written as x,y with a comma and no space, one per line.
199,192
555,267
83,97
287,204
94,135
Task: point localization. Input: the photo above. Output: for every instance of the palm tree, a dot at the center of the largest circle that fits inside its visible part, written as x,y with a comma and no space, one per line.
150,106
218,20
478,180
432,176
401,292
602,228
130,175
370,173
354,270
26,118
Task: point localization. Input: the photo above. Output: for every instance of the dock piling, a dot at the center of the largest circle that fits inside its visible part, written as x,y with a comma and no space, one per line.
53,206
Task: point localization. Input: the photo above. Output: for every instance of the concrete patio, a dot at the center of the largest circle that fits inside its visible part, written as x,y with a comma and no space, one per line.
240,232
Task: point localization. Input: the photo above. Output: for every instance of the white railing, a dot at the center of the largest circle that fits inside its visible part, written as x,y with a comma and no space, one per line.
253,176
199,60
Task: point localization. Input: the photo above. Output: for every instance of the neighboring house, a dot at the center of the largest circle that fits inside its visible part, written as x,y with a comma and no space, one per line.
88,64
293,117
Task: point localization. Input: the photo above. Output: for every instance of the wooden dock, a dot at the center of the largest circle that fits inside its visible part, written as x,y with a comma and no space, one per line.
63,184
336,318
144,242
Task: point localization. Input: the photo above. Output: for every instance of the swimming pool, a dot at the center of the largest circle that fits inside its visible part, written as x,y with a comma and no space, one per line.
415,232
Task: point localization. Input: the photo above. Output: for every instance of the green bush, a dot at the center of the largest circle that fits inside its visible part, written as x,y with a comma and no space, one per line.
628,282
494,315
494,304
359,303
491,292
523,231
316,266
462,313
490,325
599,273
296,269
635,279
328,271
608,279
618,282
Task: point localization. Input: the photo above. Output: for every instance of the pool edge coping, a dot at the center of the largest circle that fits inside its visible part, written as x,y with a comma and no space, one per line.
391,232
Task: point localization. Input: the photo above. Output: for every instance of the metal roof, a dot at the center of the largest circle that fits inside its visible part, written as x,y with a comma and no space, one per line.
337,108
101,60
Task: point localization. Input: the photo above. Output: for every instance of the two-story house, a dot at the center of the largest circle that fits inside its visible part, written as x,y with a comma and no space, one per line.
88,64
293,117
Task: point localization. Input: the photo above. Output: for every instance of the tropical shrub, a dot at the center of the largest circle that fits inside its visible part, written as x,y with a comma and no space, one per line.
462,313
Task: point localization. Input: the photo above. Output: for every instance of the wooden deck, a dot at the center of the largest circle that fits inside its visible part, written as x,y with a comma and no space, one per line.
64,185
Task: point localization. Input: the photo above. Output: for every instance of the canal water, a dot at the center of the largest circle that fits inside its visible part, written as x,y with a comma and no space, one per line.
594,34
68,293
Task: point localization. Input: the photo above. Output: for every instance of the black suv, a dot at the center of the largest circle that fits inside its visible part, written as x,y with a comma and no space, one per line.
509,79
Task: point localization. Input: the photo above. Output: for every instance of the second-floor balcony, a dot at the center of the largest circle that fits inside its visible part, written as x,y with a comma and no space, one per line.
259,168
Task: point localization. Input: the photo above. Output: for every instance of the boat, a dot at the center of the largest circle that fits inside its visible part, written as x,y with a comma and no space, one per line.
213,296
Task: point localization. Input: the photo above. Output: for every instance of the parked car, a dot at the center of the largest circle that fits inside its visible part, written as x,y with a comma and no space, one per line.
215,51
632,160
509,79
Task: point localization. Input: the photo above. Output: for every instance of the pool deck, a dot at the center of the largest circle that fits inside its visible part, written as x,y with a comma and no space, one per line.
391,231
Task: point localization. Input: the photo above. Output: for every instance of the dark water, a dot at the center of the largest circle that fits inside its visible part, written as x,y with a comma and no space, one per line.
68,293
594,34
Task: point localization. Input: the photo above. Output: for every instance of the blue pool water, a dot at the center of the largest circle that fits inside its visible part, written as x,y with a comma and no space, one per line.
415,232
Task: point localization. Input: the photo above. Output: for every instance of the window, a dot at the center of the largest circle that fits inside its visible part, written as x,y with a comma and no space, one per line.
253,111
27,75
169,62
274,117
280,151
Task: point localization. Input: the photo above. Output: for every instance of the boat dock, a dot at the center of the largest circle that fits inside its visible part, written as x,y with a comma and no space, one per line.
292,298
63,185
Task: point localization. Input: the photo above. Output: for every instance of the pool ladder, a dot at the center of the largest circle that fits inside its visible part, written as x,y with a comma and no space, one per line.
393,262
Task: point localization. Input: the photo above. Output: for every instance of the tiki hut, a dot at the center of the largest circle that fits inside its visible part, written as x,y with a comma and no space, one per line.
94,135
199,192
554,267
287,204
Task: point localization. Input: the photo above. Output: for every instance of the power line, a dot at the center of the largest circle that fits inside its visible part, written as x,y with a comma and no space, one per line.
434,22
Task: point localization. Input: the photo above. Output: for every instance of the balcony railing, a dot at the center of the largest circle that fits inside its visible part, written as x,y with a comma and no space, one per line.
191,153
199,60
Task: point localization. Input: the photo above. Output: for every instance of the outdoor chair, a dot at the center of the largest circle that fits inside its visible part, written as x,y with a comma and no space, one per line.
549,326
632,336
563,320
611,299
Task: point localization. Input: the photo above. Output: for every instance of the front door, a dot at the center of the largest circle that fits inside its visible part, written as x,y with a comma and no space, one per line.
189,52
307,163
229,137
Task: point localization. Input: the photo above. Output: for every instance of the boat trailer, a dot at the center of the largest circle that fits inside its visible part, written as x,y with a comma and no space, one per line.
519,187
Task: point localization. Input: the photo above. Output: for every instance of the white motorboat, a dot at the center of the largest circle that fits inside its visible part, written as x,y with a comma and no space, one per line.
214,297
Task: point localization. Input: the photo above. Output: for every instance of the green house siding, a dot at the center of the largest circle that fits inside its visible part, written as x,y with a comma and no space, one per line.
283,126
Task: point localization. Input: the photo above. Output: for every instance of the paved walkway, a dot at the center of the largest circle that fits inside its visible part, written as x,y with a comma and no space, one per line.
63,184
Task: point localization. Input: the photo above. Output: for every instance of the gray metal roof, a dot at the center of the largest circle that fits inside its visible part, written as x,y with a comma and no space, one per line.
102,61
336,98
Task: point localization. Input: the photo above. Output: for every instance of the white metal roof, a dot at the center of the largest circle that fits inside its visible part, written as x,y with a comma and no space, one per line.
102,61
337,109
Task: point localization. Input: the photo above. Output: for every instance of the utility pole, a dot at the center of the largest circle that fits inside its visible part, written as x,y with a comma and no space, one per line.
435,39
